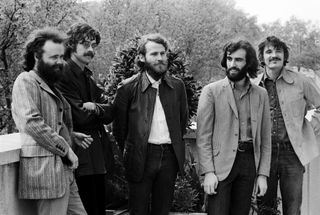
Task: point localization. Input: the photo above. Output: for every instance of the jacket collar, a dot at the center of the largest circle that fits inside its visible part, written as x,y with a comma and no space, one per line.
285,75
78,68
42,83
145,82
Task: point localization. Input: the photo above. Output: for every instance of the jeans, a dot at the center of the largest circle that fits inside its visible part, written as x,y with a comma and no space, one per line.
287,170
158,182
234,193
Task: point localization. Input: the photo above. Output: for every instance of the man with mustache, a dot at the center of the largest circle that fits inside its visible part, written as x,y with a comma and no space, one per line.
150,120
43,117
294,142
89,114
233,134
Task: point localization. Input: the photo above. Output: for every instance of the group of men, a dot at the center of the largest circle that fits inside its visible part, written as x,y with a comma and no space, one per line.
251,133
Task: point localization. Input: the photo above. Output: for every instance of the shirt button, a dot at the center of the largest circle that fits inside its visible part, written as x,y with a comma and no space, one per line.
59,123
60,109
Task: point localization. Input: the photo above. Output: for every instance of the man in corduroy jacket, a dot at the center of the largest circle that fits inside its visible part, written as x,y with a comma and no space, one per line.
43,118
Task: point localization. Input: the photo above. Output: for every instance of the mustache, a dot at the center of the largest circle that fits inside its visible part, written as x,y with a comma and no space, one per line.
275,58
89,53
233,68
160,63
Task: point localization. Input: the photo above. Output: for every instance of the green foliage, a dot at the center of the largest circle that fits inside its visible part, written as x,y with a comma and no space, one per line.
188,193
124,67
264,209
17,19
302,38
117,182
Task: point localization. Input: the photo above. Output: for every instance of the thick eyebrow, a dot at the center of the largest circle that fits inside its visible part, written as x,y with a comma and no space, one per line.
238,58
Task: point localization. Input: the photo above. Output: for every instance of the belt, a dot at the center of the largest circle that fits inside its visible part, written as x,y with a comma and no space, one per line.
282,145
163,146
245,146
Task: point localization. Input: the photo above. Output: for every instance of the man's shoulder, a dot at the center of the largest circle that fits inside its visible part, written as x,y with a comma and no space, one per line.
258,89
257,79
129,82
25,77
217,84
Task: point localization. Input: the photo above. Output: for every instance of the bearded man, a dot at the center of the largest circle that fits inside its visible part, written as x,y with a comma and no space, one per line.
150,120
43,117
233,134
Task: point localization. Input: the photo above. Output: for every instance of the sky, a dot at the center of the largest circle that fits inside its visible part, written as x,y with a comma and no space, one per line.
271,10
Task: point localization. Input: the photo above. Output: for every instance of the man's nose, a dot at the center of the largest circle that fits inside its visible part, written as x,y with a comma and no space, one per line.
273,54
60,61
232,63
90,48
159,57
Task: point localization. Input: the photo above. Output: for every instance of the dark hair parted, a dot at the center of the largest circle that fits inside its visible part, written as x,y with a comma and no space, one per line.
79,33
252,64
35,43
154,37
277,44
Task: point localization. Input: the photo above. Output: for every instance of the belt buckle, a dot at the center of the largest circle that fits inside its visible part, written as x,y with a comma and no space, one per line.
239,149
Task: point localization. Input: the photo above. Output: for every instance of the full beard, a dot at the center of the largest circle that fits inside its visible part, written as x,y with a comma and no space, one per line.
241,73
157,70
50,73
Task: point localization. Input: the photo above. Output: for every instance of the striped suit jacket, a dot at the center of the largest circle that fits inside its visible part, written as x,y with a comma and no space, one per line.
39,114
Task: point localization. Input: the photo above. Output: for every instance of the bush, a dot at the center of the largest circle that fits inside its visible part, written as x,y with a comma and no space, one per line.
123,67
188,193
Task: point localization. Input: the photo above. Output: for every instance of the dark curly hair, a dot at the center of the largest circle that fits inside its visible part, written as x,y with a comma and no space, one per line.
252,65
78,33
154,37
277,44
35,43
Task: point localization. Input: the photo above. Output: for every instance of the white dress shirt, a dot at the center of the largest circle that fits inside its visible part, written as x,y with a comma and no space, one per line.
159,133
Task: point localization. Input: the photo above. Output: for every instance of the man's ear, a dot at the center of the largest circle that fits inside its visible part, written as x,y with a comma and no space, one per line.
36,56
142,58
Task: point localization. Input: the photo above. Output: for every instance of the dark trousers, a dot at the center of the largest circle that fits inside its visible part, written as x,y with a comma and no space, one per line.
287,170
234,193
158,182
92,193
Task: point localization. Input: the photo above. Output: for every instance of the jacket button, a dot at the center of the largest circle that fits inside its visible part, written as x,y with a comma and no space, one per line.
59,123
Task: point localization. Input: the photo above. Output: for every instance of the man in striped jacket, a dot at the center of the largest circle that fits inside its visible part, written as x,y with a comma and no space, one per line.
43,118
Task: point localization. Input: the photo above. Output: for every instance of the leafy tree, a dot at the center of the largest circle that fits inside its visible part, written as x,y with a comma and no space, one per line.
17,19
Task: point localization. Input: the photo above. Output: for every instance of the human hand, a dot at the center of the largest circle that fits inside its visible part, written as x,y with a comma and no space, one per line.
261,186
72,157
89,106
315,121
82,140
210,183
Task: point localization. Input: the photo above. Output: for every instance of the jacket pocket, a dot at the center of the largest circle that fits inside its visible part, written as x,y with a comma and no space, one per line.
297,107
34,151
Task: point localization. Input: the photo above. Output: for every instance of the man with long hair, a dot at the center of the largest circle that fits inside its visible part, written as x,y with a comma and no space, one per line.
43,118
150,120
233,134
90,112
294,142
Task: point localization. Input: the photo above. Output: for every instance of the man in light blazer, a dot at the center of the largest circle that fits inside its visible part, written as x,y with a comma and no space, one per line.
293,137
43,118
233,134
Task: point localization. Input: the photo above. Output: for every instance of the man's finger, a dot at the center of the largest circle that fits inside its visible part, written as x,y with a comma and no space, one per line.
84,145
